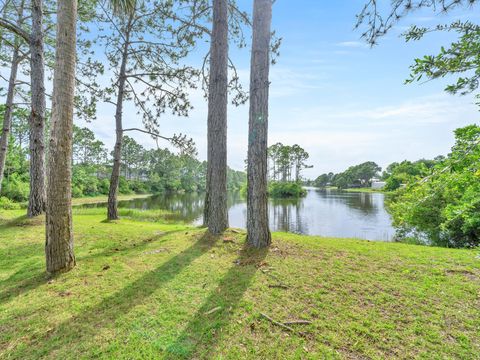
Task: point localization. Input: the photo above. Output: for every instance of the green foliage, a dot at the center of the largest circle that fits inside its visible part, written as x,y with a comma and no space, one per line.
124,187
355,176
87,150
15,184
7,204
323,180
84,181
139,187
15,187
393,183
289,189
459,58
407,172
143,171
444,208
287,162
103,186
236,179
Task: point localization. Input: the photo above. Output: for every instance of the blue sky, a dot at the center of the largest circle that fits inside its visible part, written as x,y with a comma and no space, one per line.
342,101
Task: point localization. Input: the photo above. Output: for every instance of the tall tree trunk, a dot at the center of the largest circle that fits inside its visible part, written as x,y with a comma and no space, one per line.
59,244
216,209
36,200
7,119
258,232
112,211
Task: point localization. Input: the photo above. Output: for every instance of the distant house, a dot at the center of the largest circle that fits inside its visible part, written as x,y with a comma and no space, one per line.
377,185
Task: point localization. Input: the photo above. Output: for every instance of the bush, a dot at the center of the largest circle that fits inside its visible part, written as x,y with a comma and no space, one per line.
139,187
124,187
77,192
392,183
84,181
15,188
7,204
280,190
291,189
104,186
445,208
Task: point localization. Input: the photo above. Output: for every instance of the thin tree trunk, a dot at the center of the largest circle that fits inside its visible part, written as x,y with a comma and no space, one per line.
112,207
258,232
7,119
36,200
59,244
216,209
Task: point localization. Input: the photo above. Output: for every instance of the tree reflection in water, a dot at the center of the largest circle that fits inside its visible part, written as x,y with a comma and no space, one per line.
321,212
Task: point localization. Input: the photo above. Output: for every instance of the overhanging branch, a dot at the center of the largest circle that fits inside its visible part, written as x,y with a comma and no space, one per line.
15,29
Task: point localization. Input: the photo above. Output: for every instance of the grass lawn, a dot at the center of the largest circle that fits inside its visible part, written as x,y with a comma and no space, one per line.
153,290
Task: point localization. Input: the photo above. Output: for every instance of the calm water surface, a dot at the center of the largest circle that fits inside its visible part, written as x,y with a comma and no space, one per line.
321,212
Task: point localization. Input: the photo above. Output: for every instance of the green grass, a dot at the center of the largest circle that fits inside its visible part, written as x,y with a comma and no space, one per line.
104,198
364,190
144,289
6,204
360,190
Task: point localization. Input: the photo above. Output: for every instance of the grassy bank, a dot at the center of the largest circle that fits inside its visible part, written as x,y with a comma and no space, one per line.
6,204
363,190
144,289
104,199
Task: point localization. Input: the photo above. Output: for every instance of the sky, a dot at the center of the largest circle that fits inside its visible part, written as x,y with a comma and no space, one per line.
342,101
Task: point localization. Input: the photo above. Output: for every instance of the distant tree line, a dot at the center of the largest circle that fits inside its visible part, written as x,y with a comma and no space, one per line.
142,170
355,176
395,175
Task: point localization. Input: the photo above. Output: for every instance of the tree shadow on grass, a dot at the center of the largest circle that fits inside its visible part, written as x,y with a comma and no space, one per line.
22,221
87,324
32,275
25,279
23,256
198,338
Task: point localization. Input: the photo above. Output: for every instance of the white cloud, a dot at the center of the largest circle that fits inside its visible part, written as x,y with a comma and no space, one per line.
352,44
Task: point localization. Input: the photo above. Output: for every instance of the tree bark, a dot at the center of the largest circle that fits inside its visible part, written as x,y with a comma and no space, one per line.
36,200
112,206
7,119
258,232
216,208
59,243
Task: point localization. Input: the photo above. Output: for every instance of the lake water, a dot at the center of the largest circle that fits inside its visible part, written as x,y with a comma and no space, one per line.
321,212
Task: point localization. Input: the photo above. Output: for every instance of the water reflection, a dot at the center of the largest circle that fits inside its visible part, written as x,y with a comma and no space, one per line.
363,202
287,215
321,212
